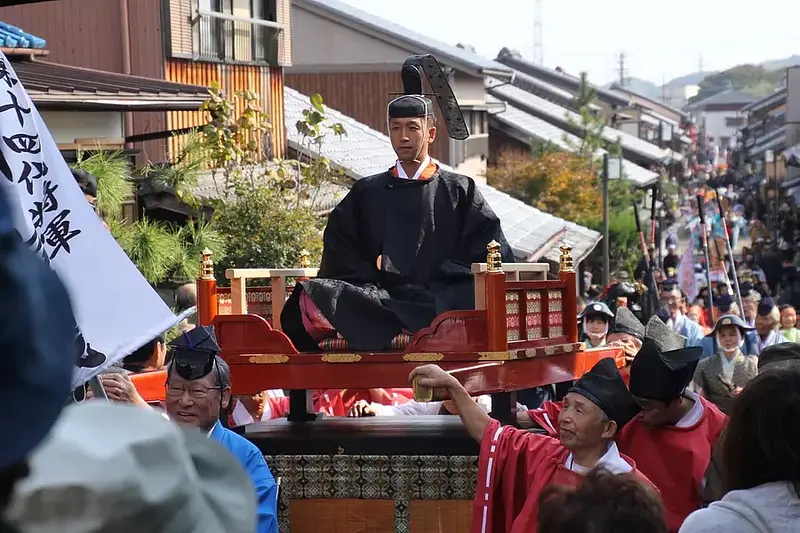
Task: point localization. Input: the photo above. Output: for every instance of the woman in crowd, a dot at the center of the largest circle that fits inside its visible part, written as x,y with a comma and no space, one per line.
760,461
721,377
595,321
789,322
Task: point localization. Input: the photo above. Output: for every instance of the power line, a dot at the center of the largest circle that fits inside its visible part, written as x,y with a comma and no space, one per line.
538,48
622,69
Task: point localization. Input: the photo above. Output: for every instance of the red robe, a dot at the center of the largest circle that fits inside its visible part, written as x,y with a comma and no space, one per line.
337,402
675,459
513,469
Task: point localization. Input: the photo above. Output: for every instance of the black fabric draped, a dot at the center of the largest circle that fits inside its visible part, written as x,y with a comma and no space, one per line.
428,232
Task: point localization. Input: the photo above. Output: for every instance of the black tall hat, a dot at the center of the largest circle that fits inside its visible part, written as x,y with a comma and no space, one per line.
194,352
664,366
604,387
626,322
413,102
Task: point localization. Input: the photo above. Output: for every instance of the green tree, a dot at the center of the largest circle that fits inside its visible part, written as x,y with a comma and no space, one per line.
753,79
266,211
590,122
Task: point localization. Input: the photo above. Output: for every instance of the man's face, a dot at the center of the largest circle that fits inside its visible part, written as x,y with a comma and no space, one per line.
764,325
195,403
750,307
581,424
672,300
654,413
410,138
92,200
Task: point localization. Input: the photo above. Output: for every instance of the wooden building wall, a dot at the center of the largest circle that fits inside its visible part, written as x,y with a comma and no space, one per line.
265,81
501,144
362,96
88,33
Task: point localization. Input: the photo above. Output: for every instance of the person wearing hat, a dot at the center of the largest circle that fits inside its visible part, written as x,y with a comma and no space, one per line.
198,393
671,260
749,338
768,323
115,468
778,357
720,378
397,248
595,320
36,365
628,333
515,465
671,439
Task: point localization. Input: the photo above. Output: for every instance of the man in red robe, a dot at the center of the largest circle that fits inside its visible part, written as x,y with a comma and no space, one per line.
515,465
671,439
673,436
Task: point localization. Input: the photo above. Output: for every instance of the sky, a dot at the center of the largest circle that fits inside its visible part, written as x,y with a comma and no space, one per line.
661,40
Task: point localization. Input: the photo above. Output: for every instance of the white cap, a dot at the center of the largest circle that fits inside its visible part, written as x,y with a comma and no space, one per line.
113,468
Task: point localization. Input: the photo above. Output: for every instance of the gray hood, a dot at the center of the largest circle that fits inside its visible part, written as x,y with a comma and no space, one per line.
768,508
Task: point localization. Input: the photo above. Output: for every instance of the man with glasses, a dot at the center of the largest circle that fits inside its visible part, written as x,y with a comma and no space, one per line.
198,392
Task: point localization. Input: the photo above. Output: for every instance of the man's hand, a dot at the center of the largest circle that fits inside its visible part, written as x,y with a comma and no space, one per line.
434,377
628,347
362,408
120,388
379,262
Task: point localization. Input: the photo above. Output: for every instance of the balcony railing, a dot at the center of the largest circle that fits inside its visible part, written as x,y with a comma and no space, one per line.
229,39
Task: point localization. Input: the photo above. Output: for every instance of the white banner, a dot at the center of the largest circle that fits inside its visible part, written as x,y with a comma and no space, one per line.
686,278
116,309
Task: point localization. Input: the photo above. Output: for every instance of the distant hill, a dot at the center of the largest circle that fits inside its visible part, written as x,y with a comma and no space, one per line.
780,64
690,79
643,87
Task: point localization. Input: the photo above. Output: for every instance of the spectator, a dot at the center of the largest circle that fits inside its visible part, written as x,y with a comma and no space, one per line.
721,377
185,299
673,300
768,320
760,464
602,502
789,322
151,356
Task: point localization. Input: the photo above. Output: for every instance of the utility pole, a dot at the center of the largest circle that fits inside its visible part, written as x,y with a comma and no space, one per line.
622,70
538,47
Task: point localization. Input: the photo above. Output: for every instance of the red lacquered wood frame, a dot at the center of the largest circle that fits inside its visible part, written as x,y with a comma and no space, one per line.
473,345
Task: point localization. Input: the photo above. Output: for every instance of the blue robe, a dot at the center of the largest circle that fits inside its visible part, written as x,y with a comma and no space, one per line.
253,462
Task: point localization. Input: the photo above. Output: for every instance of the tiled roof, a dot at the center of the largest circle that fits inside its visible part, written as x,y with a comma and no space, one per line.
510,59
532,126
418,43
364,151
557,115
617,88
51,85
772,100
730,96
13,37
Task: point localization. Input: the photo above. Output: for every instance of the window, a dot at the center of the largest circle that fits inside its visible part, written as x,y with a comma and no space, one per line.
234,36
734,122
477,121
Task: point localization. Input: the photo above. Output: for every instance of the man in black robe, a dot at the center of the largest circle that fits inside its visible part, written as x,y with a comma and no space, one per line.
398,248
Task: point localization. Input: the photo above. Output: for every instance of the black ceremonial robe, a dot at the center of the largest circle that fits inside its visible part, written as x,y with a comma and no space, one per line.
428,232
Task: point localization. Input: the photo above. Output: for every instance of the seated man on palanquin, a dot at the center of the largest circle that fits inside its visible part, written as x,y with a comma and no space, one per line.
399,247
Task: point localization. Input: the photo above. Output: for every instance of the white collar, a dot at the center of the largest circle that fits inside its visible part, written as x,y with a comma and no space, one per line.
210,431
401,172
695,413
611,461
